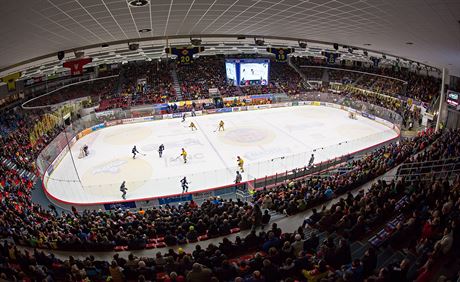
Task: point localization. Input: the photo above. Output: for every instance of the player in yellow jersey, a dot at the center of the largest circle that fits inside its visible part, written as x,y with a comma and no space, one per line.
240,163
193,126
221,125
183,154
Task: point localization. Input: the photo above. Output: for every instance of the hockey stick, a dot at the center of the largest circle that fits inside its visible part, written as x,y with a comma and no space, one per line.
216,129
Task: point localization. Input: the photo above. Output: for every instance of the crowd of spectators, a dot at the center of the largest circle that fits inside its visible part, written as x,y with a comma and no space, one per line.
294,197
419,86
428,228
204,73
343,76
319,250
92,88
286,78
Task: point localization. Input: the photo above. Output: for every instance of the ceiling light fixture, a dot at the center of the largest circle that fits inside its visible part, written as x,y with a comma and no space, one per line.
409,43
144,30
138,3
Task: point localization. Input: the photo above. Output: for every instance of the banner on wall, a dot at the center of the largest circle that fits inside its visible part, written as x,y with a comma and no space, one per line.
10,80
280,53
123,205
76,66
184,54
331,57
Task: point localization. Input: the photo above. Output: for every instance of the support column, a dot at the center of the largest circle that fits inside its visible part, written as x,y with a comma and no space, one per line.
442,98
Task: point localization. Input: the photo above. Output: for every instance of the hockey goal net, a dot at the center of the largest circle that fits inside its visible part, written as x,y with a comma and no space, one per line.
83,153
352,115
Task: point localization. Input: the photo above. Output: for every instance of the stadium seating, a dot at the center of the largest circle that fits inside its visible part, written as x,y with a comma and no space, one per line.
347,241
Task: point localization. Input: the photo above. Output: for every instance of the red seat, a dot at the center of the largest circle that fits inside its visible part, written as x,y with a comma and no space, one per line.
203,237
150,246
234,230
160,245
120,248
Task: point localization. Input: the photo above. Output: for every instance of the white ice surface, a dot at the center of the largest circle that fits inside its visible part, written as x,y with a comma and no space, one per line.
270,141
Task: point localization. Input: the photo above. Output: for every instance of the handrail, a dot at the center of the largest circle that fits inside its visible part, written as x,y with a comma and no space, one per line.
363,72
58,89
412,164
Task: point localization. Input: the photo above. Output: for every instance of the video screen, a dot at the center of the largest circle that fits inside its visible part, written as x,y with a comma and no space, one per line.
248,71
453,98
231,73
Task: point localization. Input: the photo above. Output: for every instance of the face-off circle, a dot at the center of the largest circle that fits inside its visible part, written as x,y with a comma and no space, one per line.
248,136
105,178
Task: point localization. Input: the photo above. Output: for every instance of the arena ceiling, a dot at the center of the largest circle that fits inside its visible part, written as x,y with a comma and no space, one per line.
426,31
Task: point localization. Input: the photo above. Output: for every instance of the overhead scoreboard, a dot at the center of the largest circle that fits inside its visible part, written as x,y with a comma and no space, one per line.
246,72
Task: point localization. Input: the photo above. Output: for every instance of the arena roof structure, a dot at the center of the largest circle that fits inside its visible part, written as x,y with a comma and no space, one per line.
32,32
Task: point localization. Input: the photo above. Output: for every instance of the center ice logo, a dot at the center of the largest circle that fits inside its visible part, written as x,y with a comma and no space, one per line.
249,136
113,167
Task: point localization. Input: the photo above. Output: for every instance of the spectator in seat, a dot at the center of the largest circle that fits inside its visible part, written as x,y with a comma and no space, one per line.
199,273
170,240
297,245
192,235
311,244
116,272
313,219
265,218
398,271
444,245
369,262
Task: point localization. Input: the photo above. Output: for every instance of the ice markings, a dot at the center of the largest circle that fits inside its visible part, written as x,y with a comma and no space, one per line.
112,167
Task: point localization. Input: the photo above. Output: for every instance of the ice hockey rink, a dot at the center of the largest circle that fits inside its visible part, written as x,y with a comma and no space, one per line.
270,141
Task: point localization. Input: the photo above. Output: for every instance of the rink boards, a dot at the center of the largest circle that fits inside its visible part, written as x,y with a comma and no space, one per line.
64,189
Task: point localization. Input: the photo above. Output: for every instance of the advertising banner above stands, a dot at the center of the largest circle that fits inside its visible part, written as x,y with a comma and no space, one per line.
105,113
261,96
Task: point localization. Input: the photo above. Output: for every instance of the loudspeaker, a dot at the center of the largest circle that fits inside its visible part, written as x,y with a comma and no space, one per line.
60,55
195,42
259,42
133,46
336,46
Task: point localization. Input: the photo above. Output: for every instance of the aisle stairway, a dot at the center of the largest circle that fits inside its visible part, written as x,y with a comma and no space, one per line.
22,172
302,75
176,83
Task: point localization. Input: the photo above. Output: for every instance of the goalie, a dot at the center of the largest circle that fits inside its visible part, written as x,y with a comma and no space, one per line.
84,151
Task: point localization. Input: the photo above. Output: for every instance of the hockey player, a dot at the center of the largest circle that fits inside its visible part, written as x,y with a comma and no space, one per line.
184,185
192,126
85,150
238,177
134,151
240,163
221,125
184,155
123,190
312,159
183,117
160,150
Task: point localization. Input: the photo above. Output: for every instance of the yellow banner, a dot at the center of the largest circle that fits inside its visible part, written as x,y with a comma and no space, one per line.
10,80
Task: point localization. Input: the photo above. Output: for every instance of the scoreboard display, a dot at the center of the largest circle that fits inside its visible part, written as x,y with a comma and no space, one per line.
453,98
245,72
